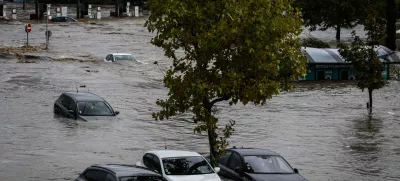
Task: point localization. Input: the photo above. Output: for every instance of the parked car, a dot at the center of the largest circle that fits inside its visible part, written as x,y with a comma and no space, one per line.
176,165
118,172
83,105
113,57
63,19
256,165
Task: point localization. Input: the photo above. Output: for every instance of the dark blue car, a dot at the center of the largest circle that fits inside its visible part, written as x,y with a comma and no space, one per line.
256,165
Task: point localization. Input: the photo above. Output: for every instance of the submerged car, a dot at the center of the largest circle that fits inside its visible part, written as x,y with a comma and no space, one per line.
83,105
113,57
118,172
257,165
63,19
175,165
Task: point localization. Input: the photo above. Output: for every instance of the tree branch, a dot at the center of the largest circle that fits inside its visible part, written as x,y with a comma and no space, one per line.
219,99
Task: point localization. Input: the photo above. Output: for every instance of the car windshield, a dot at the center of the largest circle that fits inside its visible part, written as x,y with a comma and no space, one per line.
94,109
267,164
124,57
141,178
194,165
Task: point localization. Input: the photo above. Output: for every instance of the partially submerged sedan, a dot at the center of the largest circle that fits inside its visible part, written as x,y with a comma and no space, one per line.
253,164
83,105
177,165
113,57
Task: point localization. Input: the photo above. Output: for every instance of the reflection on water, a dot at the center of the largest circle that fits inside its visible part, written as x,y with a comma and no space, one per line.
365,146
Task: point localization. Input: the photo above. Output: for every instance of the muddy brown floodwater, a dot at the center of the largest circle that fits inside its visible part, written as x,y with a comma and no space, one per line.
323,132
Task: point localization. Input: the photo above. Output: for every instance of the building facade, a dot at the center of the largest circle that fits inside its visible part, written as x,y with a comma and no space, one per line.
327,64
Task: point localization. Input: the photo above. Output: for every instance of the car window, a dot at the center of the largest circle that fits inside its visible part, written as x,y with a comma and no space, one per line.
111,57
108,57
157,164
90,175
72,105
110,177
95,108
151,161
61,98
267,164
235,161
224,159
191,165
66,101
100,175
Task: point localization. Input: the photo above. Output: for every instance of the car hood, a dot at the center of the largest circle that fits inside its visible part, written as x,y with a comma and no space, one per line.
204,177
276,177
94,118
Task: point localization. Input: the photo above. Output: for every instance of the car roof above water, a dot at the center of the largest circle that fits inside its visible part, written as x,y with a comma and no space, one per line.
254,151
124,170
173,153
83,96
121,54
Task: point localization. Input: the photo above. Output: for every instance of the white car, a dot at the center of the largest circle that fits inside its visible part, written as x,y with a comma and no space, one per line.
176,165
120,57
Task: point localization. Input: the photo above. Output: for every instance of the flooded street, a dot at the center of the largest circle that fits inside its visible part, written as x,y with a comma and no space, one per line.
324,132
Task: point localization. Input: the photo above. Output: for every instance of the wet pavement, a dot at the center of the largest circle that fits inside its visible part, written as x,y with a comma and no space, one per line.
324,132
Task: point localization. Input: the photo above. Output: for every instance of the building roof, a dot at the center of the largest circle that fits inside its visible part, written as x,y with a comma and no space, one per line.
173,153
83,96
122,170
253,151
332,55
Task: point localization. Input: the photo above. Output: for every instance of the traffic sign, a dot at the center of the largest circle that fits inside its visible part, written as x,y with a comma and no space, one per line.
28,28
48,33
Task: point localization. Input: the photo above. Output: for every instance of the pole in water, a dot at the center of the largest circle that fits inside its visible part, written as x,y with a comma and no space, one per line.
165,143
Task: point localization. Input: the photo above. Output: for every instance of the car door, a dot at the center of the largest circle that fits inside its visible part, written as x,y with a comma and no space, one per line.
234,166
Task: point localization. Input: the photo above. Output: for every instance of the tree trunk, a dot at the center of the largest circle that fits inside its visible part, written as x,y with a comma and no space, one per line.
370,100
23,5
391,24
37,9
338,28
78,4
117,7
212,143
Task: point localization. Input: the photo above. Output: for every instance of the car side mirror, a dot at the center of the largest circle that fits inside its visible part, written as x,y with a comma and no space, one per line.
116,112
217,169
71,111
295,170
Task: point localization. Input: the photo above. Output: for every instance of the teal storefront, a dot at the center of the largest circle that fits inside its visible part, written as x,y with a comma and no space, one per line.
327,64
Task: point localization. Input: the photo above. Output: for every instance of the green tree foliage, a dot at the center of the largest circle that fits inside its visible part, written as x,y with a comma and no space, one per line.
338,14
314,42
363,56
233,50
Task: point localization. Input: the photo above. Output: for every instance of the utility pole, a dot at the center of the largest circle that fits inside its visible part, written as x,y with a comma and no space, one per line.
391,13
